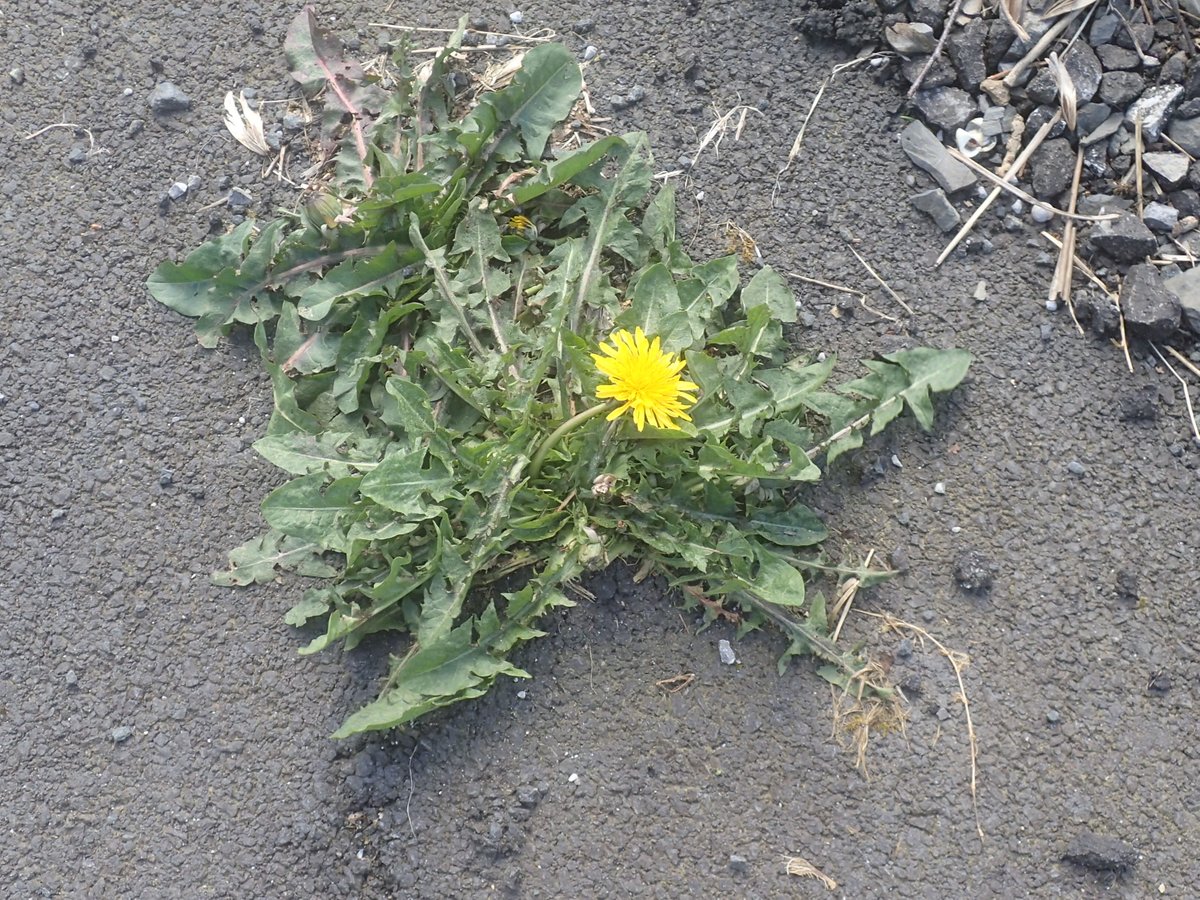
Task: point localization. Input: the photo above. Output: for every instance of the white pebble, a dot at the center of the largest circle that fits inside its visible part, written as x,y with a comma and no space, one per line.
896,462
1052,306
516,17
726,651
115,338
521,695
940,487
1041,214
573,778
589,53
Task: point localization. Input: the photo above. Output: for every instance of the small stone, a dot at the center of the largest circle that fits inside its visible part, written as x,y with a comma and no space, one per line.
737,864
1052,168
1041,213
1104,29
939,487
583,26
1119,89
516,17
238,200
899,559
166,479
935,205
980,293
1053,716
529,796
1135,36
573,778
967,49
928,615
726,652
1076,468
1160,217
134,128
167,98
71,678
1160,683
1045,332
589,53
1170,168
1104,130
16,75
1115,58
904,650
1186,133
1153,108
193,182
945,107
177,191
636,95
78,155
121,733
1187,288
1151,310
972,572
521,695
910,38
1089,117
1125,238
1101,853
927,152
940,74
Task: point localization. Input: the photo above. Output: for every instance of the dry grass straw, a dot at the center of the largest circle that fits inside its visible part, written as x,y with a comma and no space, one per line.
1004,184
1187,394
1064,271
676,683
1012,10
862,298
856,715
720,127
845,598
1137,163
887,287
812,108
1012,173
795,865
958,662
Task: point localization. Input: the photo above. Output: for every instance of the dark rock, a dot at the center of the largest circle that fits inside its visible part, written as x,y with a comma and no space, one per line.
935,205
931,12
945,107
1139,407
1119,89
1186,287
1084,68
910,39
1089,116
1104,29
1187,201
636,95
1100,852
940,74
965,47
999,41
1042,88
238,200
1114,58
1105,129
899,559
1174,70
78,155
1040,116
928,153
1188,109
1186,133
1160,217
972,572
737,864
1099,312
1159,683
1052,168
1151,311
1076,468
1134,37
167,98
1153,108
1194,175
1124,239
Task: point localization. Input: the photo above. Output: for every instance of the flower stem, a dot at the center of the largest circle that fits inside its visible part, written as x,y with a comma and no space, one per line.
565,428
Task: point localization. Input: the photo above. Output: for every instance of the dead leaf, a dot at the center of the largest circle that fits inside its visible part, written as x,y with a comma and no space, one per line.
246,126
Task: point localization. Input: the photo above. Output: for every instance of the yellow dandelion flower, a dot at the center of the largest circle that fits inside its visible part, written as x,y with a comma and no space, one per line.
646,380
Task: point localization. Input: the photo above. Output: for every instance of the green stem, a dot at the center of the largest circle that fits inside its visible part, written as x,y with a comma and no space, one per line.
535,467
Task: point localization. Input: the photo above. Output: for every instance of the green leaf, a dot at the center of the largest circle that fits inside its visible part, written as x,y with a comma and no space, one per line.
332,453
655,308
402,482
767,288
778,581
929,371
314,603
380,274
540,95
260,560
308,507
565,169
796,526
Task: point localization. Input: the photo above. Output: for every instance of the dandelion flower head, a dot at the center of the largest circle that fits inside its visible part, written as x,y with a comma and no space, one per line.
645,380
